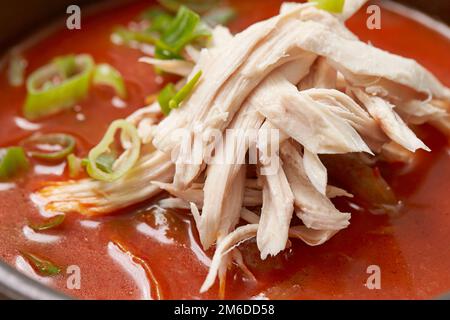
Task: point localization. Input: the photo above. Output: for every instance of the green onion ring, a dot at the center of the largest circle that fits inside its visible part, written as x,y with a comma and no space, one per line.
66,141
124,166
334,6
45,98
107,75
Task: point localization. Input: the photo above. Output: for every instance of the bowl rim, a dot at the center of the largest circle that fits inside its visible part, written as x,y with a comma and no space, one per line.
17,285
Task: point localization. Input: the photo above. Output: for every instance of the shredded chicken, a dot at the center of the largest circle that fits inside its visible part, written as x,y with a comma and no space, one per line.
230,242
220,177
302,74
390,122
178,67
313,208
276,213
92,197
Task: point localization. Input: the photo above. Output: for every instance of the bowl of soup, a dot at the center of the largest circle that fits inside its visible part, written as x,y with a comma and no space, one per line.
225,149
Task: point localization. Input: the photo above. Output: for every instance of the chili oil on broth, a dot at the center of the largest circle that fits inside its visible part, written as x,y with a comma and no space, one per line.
410,248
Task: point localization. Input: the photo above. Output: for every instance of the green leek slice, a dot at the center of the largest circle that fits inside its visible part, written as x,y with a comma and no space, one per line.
185,91
41,266
12,161
169,98
127,159
75,166
159,19
107,75
47,96
49,223
63,143
334,6
183,29
127,36
164,97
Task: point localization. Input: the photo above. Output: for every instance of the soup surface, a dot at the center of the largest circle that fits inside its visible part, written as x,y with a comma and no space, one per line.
143,250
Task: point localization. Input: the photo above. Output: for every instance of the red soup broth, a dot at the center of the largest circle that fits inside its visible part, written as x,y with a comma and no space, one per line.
147,253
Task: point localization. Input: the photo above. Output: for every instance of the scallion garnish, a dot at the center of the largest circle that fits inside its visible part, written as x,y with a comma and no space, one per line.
159,19
200,6
51,147
75,166
185,91
169,34
164,97
183,29
50,223
125,162
169,98
334,6
12,161
58,85
41,266
127,36
66,65
104,162
107,75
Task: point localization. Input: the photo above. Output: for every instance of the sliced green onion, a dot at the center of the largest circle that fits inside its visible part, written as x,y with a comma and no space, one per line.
131,154
107,75
12,161
185,91
196,5
66,65
104,162
75,165
41,266
16,70
54,146
167,33
159,19
219,16
50,223
334,6
127,36
51,90
165,96
183,29
169,98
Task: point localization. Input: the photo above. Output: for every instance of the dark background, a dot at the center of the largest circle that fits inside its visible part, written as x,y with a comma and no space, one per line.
19,17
